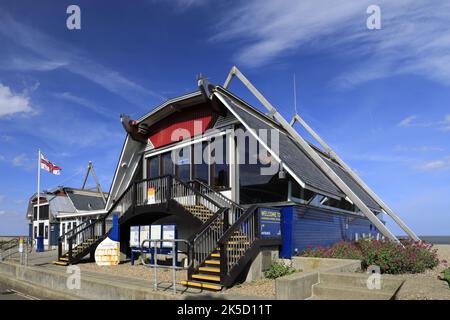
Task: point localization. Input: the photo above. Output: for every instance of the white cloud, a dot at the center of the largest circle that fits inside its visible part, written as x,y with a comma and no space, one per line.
2,212
2,197
62,55
441,125
435,165
6,138
414,39
87,104
446,123
11,103
20,160
29,63
424,149
407,121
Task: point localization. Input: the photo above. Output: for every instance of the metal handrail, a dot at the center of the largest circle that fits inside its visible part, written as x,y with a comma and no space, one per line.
174,267
216,193
246,225
167,188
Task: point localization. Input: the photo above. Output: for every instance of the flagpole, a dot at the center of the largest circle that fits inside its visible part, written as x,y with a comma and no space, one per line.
38,186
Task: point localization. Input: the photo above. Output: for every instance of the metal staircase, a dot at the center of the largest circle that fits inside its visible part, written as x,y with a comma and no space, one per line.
227,240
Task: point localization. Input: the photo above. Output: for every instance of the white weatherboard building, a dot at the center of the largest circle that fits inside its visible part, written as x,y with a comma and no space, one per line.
61,210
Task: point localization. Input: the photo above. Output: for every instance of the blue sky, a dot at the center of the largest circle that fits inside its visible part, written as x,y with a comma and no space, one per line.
379,97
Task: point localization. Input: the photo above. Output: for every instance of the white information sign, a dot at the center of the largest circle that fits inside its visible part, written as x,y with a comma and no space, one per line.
155,233
134,237
168,234
144,234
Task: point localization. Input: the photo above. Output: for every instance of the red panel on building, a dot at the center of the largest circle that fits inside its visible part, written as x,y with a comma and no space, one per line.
186,123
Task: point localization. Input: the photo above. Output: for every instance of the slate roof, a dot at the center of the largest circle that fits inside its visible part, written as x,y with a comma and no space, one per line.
293,156
83,202
296,158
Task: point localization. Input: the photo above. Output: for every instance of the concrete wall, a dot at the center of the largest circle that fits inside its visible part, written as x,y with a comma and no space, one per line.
299,286
261,263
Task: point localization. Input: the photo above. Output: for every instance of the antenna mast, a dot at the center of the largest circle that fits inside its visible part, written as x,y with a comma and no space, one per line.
295,96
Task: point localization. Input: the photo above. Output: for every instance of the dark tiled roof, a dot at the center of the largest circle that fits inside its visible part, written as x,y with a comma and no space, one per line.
83,202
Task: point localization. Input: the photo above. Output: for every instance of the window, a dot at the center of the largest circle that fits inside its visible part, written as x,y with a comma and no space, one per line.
63,228
256,185
35,232
220,169
200,165
153,167
46,232
43,212
41,229
167,163
183,163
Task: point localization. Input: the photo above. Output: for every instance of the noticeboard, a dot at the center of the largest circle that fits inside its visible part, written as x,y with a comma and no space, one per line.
168,233
154,231
269,222
134,236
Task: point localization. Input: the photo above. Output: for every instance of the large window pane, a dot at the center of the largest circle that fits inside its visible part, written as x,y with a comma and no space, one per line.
257,186
167,163
200,165
183,163
153,167
220,169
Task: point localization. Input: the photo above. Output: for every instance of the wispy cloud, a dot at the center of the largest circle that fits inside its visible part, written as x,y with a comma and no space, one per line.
414,39
87,104
441,125
421,149
23,161
30,63
12,103
434,165
183,4
407,121
62,55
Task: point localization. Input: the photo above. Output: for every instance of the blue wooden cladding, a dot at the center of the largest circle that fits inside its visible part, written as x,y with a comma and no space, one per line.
304,227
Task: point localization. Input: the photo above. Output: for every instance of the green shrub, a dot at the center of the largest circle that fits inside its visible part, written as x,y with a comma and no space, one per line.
278,269
446,275
391,257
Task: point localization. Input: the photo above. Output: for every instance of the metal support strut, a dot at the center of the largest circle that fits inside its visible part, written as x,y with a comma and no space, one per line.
322,164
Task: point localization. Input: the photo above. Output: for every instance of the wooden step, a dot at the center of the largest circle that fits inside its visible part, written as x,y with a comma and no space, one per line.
202,285
208,277
215,255
215,262
209,269
238,242
64,259
61,263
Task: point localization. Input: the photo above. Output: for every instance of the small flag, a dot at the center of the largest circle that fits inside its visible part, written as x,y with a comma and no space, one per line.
48,166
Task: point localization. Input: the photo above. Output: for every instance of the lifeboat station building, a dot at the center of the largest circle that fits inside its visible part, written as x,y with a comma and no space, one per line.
232,180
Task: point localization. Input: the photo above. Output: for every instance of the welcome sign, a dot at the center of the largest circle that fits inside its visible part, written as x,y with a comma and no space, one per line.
269,223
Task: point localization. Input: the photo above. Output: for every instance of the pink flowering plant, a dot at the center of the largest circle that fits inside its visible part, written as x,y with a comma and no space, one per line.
391,257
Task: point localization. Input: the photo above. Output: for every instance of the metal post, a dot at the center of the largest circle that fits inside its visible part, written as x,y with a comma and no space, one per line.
174,271
38,188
